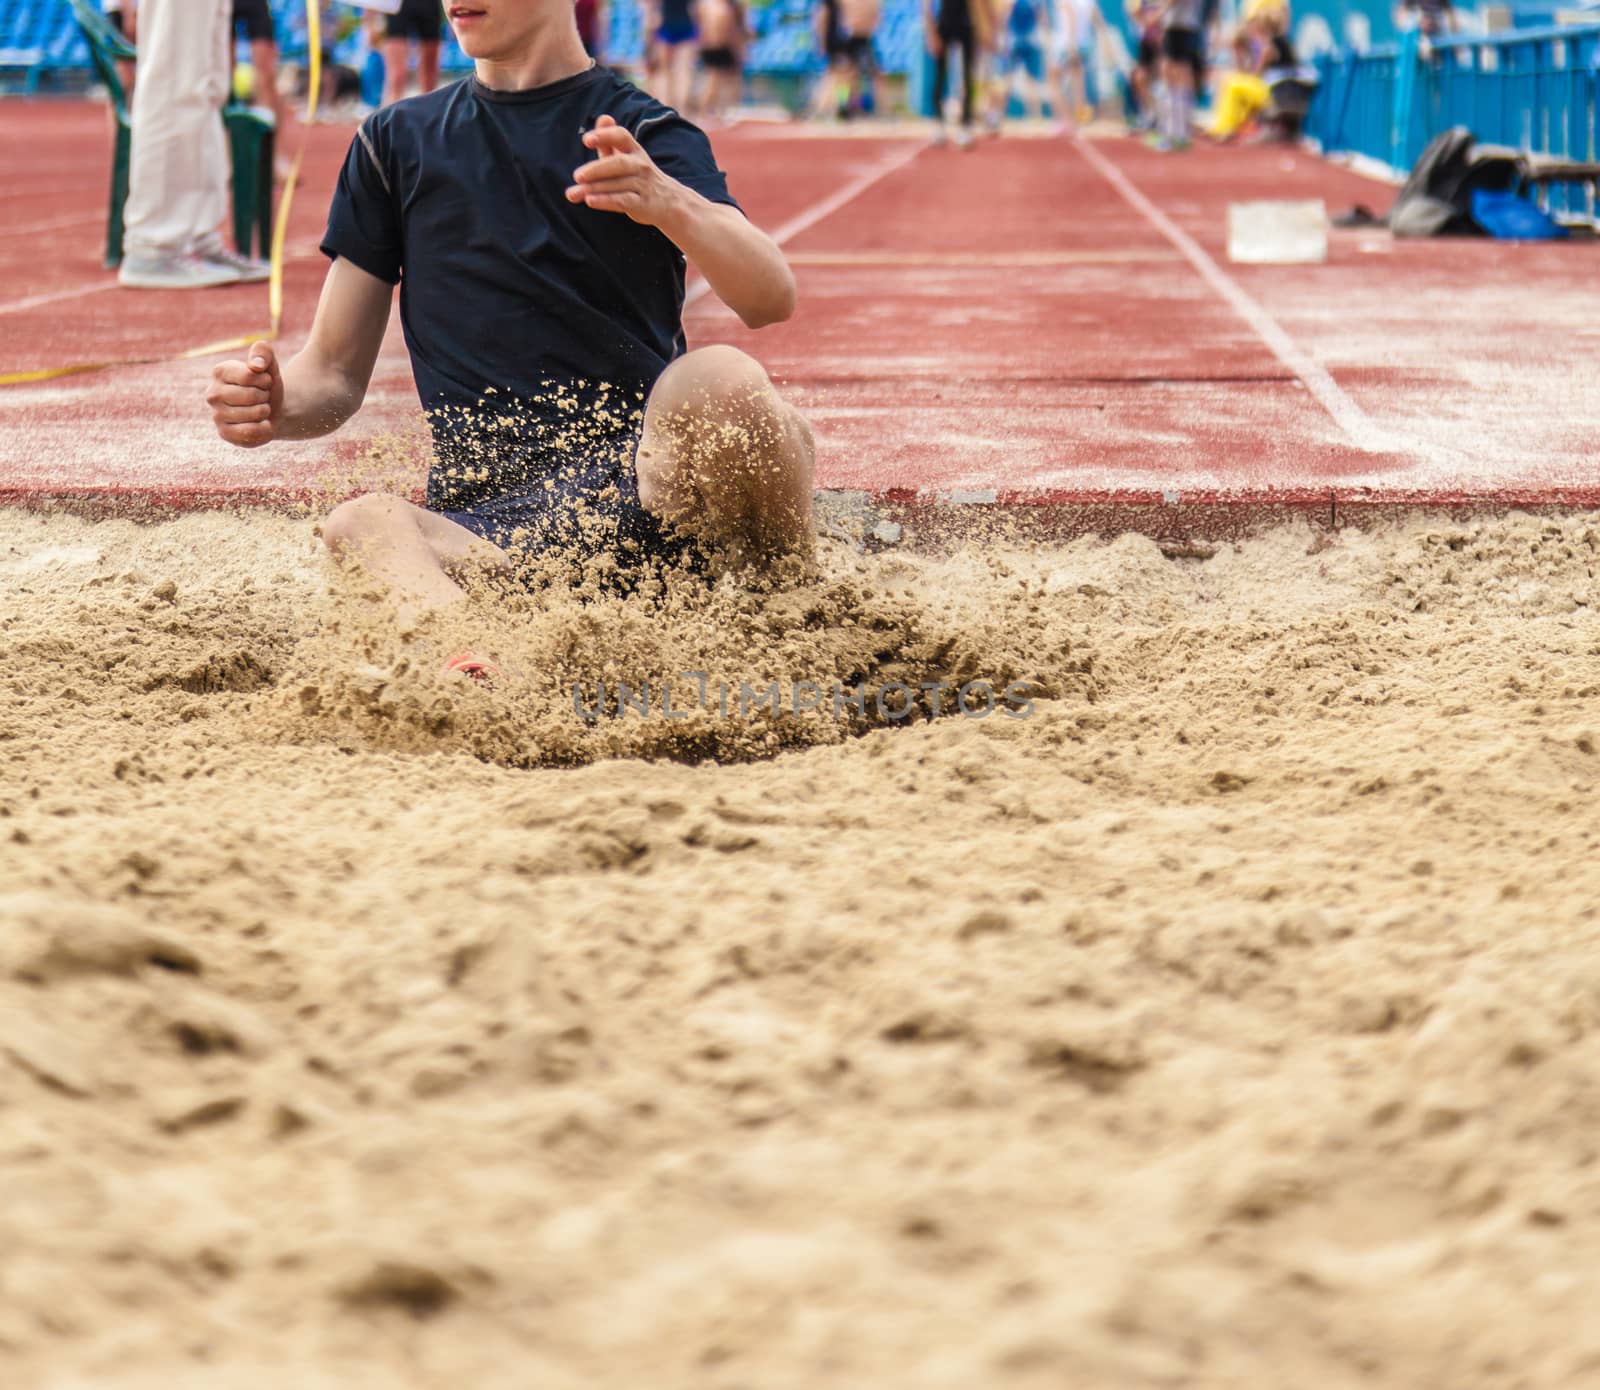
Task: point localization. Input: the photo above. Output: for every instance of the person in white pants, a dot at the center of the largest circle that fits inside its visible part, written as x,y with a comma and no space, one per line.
178,178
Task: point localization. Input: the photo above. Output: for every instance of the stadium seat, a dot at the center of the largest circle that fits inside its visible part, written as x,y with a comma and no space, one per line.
30,60
252,148
39,37
250,142
19,46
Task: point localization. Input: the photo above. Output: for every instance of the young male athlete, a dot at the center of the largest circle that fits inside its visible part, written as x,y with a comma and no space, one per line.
537,216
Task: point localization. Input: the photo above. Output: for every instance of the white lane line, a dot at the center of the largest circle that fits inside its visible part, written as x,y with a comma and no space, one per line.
1345,412
826,207
981,260
17,306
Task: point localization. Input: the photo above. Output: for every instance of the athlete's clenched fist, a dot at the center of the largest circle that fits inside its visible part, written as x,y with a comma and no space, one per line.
246,398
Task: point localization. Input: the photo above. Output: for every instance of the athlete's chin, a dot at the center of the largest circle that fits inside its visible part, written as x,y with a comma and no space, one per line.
472,30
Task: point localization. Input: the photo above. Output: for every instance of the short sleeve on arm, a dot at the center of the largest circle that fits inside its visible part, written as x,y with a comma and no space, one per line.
364,219
680,149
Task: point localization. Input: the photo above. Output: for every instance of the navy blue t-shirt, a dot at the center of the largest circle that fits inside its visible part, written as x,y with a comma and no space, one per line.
536,326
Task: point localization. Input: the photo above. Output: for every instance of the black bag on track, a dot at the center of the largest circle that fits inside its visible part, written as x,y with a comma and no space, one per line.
1436,199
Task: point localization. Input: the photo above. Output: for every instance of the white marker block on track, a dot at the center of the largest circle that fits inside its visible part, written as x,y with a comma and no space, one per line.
1278,233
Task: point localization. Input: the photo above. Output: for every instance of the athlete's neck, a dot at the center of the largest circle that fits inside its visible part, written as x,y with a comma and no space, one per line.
548,54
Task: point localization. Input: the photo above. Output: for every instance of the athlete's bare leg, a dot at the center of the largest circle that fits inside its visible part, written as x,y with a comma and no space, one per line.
427,65
396,69
678,60
723,454
416,556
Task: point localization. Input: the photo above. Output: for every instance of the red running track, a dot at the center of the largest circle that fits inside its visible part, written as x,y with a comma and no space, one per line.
1039,318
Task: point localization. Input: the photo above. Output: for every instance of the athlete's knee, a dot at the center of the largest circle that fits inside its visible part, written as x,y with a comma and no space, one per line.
362,521
716,383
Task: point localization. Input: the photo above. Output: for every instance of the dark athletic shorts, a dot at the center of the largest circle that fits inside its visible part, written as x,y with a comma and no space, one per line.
858,50
956,28
677,33
1026,56
587,510
954,21
1149,50
719,59
1185,46
254,18
416,19
114,18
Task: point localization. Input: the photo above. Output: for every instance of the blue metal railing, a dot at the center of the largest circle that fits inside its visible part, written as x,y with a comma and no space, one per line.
1533,89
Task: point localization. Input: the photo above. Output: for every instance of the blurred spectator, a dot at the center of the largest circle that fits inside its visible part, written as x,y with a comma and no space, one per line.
1024,55
988,25
949,24
858,24
832,92
1182,61
1267,97
671,45
1430,18
419,21
178,175
846,29
723,37
1145,17
1077,29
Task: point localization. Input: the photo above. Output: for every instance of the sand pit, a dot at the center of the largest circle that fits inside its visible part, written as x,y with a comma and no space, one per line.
1231,1019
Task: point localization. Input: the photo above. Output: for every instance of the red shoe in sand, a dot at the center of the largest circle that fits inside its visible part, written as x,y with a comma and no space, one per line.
474,668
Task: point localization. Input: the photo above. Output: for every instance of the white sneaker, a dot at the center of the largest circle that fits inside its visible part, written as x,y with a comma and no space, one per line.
175,273
964,138
251,271
940,134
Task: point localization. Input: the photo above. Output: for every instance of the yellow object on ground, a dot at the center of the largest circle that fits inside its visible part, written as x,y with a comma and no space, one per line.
1242,95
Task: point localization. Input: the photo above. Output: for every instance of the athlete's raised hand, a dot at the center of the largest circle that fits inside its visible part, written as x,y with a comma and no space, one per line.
623,178
246,398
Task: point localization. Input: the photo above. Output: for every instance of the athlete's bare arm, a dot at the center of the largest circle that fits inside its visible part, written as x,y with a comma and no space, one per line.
319,388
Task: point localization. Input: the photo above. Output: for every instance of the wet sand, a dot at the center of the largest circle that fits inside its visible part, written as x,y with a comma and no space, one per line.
1232,1018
